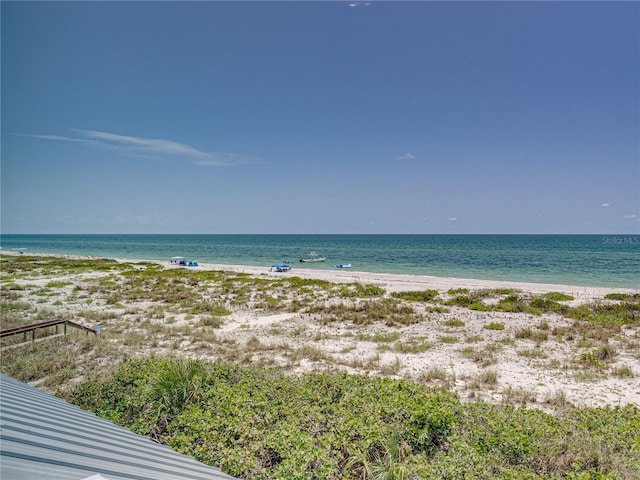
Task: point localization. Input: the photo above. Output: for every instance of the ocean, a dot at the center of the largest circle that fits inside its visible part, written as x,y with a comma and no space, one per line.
584,260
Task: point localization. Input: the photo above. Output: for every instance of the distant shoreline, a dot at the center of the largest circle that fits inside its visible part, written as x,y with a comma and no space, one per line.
393,282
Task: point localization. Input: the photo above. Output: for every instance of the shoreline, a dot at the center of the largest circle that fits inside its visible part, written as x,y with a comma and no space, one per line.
399,282
394,282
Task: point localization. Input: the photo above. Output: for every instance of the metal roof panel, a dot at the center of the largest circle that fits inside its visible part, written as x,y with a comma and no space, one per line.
42,436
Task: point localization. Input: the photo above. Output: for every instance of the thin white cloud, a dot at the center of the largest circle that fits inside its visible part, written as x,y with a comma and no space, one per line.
605,205
143,146
61,138
406,156
630,217
453,219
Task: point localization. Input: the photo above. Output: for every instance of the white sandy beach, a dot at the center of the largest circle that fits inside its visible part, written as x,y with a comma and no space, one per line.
398,282
458,342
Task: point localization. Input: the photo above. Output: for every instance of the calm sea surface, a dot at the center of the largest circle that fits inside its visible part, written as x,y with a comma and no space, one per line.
589,260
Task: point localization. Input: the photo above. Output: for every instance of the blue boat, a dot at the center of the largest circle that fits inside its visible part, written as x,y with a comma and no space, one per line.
343,265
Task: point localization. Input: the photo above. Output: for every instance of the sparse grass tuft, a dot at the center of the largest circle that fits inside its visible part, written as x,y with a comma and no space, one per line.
431,309
494,326
485,378
517,395
623,371
454,322
448,339
557,398
436,374
483,358
412,346
391,368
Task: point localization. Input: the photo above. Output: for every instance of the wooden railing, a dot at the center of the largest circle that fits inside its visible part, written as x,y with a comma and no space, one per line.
51,323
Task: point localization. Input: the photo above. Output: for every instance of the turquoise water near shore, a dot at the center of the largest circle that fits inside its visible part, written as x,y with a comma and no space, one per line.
585,260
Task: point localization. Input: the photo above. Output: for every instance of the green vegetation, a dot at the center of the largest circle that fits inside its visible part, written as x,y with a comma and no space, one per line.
260,423
448,339
558,296
417,296
494,326
483,358
362,291
622,296
538,336
412,346
380,337
601,321
454,322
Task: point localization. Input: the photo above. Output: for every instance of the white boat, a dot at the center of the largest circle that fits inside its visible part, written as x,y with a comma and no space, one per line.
313,257
343,265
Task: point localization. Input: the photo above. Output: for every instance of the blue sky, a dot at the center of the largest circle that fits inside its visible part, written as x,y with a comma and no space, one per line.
320,117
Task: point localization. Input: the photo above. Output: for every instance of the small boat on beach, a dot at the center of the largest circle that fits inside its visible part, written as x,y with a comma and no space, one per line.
313,257
343,265
192,263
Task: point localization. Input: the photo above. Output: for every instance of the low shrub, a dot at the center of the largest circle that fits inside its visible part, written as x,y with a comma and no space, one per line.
479,306
558,296
460,301
416,296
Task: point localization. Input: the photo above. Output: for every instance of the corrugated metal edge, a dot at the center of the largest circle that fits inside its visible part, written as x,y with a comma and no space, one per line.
40,430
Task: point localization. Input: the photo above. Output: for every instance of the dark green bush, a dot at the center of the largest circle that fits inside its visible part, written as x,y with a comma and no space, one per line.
260,423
